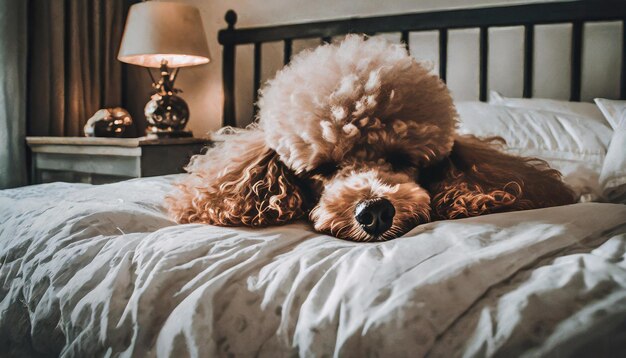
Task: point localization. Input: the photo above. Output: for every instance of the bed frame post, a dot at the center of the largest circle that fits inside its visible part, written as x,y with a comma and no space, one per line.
287,51
622,89
228,73
443,53
404,38
577,54
257,76
484,56
529,44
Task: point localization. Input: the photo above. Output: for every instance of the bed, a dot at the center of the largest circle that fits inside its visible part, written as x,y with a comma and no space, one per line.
102,271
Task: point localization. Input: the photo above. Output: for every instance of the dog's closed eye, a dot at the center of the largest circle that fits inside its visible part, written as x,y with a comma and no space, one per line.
399,160
325,170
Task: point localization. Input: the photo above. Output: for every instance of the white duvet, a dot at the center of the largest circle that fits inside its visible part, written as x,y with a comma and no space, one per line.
101,271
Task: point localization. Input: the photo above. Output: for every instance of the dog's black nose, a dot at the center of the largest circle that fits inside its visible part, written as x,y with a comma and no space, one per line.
375,216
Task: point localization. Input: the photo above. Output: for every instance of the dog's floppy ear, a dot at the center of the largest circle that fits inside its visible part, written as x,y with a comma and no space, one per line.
479,179
239,182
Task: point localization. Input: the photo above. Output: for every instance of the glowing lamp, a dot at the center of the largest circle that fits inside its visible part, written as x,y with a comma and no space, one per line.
167,36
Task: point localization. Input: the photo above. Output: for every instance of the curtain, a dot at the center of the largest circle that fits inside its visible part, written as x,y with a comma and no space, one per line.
58,66
73,69
12,93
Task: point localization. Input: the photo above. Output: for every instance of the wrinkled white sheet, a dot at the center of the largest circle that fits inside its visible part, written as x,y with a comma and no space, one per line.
100,270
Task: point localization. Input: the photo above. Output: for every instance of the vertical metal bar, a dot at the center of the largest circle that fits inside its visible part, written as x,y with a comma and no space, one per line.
622,89
228,74
325,40
577,52
484,55
257,73
529,45
443,53
228,83
405,40
287,51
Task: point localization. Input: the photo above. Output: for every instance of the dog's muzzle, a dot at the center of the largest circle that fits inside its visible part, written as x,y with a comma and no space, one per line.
375,216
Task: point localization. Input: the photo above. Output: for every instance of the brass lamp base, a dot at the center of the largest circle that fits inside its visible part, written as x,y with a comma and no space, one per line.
166,113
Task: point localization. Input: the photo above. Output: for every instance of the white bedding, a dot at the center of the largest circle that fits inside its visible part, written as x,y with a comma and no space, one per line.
100,270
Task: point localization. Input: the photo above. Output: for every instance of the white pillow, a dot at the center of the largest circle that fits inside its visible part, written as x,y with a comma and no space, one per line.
565,107
613,110
613,175
571,143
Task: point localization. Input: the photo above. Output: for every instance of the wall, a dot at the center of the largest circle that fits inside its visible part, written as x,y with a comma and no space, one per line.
202,84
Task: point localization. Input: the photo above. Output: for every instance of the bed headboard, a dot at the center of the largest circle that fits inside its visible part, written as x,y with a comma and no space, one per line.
576,13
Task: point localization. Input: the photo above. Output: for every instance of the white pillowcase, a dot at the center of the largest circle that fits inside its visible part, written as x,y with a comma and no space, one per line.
614,111
584,109
572,143
613,175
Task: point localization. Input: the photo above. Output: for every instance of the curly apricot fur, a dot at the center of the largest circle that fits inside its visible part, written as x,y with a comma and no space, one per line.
350,122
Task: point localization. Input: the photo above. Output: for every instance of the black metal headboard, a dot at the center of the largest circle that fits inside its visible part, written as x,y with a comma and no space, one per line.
574,12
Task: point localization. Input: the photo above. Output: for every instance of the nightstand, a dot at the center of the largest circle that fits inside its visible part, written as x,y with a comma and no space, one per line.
106,160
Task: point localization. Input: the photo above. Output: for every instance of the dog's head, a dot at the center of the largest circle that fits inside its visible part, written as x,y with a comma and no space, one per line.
358,119
348,126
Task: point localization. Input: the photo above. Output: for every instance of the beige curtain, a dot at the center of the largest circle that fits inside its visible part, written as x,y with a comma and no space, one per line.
12,93
73,70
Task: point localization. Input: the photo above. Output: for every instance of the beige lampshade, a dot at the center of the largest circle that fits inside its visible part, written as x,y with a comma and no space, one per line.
157,31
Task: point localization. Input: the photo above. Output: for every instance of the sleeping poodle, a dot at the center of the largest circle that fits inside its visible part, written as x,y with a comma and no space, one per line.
359,137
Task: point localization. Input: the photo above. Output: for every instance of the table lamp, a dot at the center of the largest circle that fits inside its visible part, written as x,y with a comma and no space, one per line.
167,36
